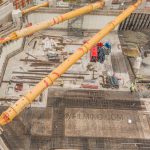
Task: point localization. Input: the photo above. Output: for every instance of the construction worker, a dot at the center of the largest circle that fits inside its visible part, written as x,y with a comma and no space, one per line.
132,87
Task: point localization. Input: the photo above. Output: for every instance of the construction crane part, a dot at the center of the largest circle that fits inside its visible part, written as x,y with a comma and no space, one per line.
28,98
45,4
56,20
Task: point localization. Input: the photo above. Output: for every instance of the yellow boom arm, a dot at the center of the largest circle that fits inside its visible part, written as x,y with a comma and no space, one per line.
45,4
43,25
27,99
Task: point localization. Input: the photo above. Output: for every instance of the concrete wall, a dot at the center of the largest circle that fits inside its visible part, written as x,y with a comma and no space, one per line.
136,22
93,22
96,21
9,51
2,145
5,12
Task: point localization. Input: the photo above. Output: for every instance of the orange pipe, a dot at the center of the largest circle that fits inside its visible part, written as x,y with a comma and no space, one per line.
27,99
45,24
45,4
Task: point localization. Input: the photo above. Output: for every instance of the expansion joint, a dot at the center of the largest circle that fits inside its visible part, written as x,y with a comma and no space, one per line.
113,24
50,79
27,99
62,18
85,48
81,49
46,83
13,109
57,74
54,20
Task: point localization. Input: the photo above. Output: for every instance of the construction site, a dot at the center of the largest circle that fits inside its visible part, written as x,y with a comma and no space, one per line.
74,74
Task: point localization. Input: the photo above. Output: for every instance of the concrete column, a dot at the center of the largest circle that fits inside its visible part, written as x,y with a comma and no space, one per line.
108,3
17,16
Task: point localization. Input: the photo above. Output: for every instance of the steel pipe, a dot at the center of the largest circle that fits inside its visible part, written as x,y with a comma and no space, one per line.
56,20
45,4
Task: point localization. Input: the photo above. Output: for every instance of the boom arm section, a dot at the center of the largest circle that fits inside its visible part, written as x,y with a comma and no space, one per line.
27,99
45,24
45,4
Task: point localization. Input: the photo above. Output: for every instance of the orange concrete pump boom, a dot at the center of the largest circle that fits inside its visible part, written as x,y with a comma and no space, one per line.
27,99
43,25
45,4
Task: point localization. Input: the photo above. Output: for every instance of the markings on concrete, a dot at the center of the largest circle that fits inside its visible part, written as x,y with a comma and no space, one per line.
104,123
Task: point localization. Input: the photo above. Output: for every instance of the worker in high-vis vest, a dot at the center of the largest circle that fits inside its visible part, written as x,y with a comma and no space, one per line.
133,87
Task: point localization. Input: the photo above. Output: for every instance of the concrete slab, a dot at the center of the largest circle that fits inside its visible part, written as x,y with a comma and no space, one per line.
69,44
42,127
